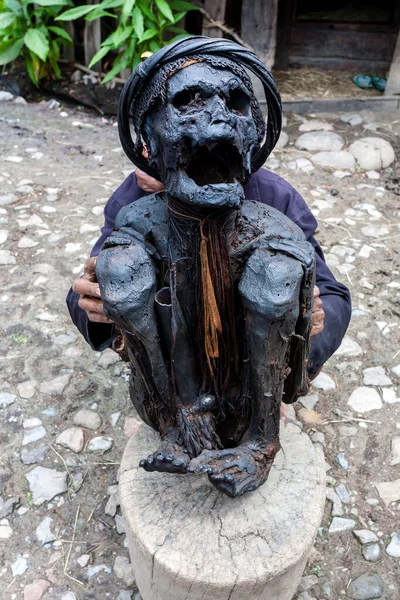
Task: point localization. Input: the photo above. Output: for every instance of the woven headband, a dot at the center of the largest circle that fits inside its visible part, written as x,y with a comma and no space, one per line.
187,48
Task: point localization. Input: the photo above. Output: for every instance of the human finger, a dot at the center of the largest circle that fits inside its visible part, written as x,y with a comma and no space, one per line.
84,287
90,304
317,305
317,321
316,291
148,183
96,317
89,270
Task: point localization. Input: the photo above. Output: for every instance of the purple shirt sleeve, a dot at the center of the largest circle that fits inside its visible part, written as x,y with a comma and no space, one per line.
100,335
271,189
267,187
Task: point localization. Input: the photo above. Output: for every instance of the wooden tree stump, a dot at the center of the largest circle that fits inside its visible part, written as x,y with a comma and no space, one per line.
187,541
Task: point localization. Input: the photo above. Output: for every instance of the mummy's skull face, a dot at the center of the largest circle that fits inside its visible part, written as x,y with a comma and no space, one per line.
202,139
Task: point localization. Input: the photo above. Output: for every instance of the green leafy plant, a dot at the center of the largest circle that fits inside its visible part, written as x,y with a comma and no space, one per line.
27,29
142,27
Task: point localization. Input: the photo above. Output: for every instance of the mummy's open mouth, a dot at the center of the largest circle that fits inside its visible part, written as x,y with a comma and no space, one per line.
220,164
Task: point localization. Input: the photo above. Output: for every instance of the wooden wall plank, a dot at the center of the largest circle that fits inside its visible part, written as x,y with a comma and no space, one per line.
393,82
216,9
69,51
92,39
259,25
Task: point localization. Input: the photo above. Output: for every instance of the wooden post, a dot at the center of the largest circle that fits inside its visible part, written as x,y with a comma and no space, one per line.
393,82
69,51
92,39
216,9
259,25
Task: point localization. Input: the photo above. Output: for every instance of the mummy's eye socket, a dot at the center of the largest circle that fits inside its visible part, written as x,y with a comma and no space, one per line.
186,97
238,102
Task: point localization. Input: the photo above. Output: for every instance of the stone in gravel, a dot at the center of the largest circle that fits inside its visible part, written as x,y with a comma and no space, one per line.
92,571
74,352
349,347
337,508
318,438
112,504
395,458
342,461
396,370
3,235
5,96
124,595
389,491
310,401
32,221
123,570
119,521
30,457
33,435
334,160
365,536
27,242
342,492
88,228
31,423
72,438
87,418
316,141
43,531
366,587
315,125
108,358
114,418
97,210
352,119
5,529
19,566
372,501
301,163
72,247
26,389
35,590
83,560
6,398
46,483
8,199
341,174
46,316
373,175
393,548
68,596
348,431
7,506
307,582
282,141
376,376
372,553
24,190
364,399
323,382
56,385
340,524
372,153
48,209
389,396
6,258
99,445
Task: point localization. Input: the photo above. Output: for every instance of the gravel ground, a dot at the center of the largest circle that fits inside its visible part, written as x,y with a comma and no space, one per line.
65,410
